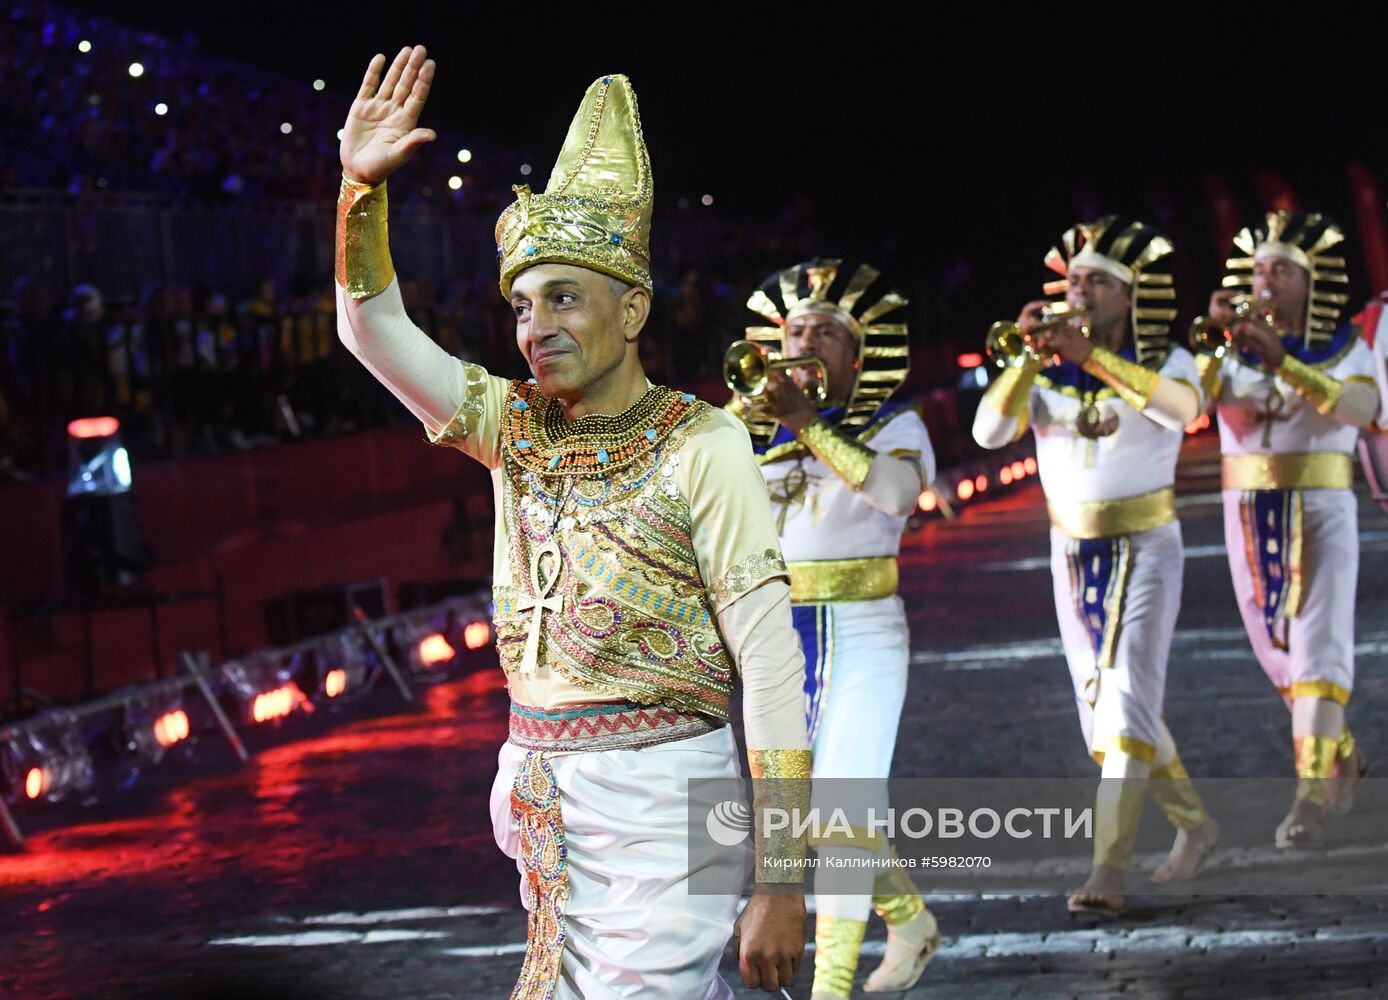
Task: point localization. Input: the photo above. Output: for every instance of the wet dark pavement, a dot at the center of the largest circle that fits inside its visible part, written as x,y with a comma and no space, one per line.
356,860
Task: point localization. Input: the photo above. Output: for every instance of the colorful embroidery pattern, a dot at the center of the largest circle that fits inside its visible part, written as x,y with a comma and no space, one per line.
535,810
1272,545
602,726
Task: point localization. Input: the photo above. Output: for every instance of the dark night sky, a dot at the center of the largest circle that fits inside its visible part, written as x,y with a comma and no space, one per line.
932,138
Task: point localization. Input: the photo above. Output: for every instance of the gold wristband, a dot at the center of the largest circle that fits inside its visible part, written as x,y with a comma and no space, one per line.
851,460
780,782
1133,383
1211,369
1313,385
363,242
1011,391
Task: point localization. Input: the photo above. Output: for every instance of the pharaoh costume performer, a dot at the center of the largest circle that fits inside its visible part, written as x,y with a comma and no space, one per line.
841,490
636,574
1290,517
1107,437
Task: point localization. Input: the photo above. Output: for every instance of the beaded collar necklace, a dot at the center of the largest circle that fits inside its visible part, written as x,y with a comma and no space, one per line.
539,440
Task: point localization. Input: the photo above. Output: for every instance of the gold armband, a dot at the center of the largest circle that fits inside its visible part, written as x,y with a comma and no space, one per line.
1211,369
363,243
1133,383
1313,385
1011,391
780,804
850,459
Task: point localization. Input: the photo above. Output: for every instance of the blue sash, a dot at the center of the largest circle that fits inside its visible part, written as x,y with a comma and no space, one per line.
815,624
1099,570
1272,544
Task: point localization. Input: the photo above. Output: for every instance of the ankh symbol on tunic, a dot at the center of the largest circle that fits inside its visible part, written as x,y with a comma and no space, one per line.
1274,410
539,600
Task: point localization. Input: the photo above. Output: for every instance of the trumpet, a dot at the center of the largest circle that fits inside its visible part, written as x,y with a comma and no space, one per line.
1210,337
747,367
1008,347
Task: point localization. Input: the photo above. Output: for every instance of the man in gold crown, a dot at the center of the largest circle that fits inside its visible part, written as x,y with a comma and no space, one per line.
636,574
844,472
1109,417
1292,388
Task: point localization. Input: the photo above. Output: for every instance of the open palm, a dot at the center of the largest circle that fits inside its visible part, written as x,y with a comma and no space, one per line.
381,134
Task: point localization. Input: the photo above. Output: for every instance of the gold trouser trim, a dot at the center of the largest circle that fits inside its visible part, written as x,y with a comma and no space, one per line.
535,809
1110,518
1344,749
1175,793
895,897
363,265
1130,745
850,459
823,581
780,780
837,942
1315,763
1309,470
1327,690
1133,382
1313,385
1117,813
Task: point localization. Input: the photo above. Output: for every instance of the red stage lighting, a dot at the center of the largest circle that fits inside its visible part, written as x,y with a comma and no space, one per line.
1030,465
93,427
1019,470
335,682
435,650
965,489
477,635
928,501
274,704
171,727
970,360
35,782
1005,475
981,482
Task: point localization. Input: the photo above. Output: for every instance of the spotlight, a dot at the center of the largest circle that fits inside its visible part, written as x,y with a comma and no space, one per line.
464,156
342,664
318,84
927,501
84,46
1005,475
455,182
137,69
434,650
275,704
35,782
981,483
706,200
264,688
1019,470
102,544
161,109
171,727
339,134
970,360
525,169
335,682
965,489
286,128
48,763
477,634
1030,465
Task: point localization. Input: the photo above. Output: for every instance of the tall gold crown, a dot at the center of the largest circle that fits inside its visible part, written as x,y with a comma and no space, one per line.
857,297
1303,238
1138,255
595,211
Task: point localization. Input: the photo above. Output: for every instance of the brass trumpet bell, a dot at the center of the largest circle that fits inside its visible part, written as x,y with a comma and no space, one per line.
1007,346
747,367
1210,337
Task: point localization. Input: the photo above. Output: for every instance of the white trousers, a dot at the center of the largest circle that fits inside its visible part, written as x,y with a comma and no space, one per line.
633,929
1126,714
1320,644
858,726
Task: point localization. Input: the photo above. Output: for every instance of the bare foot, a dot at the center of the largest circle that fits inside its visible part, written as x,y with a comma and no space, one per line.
1188,853
1303,827
1342,785
909,948
1105,894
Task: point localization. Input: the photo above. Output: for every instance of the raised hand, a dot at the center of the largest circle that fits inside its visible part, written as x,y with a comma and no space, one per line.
381,134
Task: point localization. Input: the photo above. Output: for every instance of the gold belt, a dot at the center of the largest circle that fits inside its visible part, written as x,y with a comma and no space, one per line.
1110,518
1306,470
824,580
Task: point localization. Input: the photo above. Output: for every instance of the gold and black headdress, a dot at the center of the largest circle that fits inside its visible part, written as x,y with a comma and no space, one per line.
1138,255
1302,238
857,296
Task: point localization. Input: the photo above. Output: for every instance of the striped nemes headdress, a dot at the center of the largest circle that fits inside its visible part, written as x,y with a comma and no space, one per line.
1302,238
